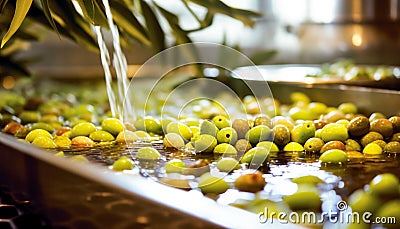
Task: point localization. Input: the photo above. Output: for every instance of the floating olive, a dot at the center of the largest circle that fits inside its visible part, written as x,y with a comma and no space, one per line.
221,121
123,163
205,143
101,136
370,137
82,129
382,126
225,148
293,147
211,184
334,157
250,182
258,134
392,147
313,145
209,128
227,164
112,125
35,133
44,142
227,135
82,142
174,166
173,140
148,153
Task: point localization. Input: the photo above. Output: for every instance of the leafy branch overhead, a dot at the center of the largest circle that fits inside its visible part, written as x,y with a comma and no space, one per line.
136,19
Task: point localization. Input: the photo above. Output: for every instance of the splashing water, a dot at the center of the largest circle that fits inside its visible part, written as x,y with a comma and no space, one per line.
121,105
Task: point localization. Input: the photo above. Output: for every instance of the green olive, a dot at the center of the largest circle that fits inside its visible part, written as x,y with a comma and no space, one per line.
62,141
348,108
225,148
210,184
304,200
334,157
174,166
293,147
79,158
271,146
35,133
207,127
179,128
82,142
352,145
82,129
390,210
173,140
313,145
262,119
29,117
227,164
112,125
256,156
385,185
258,134
148,153
370,137
44,142
128,136
308,179
221,121
123,163
101,136
361,201
392,147
227,135
44,126
205,143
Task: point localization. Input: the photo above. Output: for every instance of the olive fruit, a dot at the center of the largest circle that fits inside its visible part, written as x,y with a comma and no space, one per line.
382,126
128,136
370,137
313,145
82,129
82,142
205,143
375,116
372,149
241,126
348,108
173,140
384,185
221,121
396,123
174,166
227,164
358,126
242,145
29,117
210,184
256,156
101,136
225,148
262,119
333,157
392,147
227,135
302,132
258,134
250,182
361,201
352,145
181,129
62,141
293,147
308,179
207,127
35,133
44,142
123,163
308,200
271,146
333,145
281,134
112,125
390,210
148,153
334,132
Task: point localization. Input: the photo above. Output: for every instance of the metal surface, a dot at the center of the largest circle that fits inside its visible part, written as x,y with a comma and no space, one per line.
85,195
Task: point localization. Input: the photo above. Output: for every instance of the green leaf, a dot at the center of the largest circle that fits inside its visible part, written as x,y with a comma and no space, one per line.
155,32
93,12
21,9
217,6
126,21
47,13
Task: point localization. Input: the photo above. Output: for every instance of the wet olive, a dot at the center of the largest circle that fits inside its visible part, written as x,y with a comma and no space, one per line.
334,132
382,126
227,135
174,166
304,200
352,145
348,108
225,148
210,184
390,211
205,143
173,140
256,157
241,126
44,142
29,117
313,145
392,147
82,142
372,149
333,145
333,157
293,147
128,136
221,121
101,136
12,128
384,185
242,145
281,134
35,133
181,129
43,126
396,123
82,129
227,164
262,119
370,137
112,125
62,141
148,153
207,127
361,201
271,146
123,163
376,115
250,182
258,134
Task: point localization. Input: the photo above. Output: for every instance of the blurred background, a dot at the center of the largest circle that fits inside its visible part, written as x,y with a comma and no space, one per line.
300,31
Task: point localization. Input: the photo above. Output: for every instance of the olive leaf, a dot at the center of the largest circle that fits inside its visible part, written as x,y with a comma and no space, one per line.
93,12
21,9
155,32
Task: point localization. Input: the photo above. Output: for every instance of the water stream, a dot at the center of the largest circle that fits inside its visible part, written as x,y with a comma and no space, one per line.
120,103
